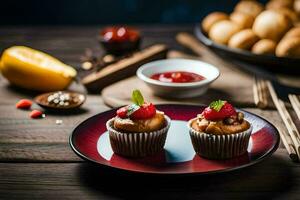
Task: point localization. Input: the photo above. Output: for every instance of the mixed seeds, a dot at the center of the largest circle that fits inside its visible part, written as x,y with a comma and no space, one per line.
62,99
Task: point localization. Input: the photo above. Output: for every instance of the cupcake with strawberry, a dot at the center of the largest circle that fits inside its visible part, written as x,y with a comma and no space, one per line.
220,132
138,129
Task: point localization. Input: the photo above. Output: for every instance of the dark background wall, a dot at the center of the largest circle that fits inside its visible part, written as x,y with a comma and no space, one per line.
85,12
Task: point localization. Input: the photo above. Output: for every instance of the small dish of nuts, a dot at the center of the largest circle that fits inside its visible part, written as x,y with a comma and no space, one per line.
60,100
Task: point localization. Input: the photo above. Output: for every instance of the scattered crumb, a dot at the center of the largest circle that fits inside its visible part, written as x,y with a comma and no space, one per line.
87,65
108,58
58,121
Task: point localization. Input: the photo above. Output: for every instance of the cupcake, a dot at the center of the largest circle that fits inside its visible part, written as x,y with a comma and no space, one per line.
138,130
220,132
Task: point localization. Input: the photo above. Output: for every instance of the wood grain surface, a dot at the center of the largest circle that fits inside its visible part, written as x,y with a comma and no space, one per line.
36,161
275,178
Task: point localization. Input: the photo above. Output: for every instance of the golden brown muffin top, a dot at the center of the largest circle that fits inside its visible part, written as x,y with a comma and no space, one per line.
231,125
141,125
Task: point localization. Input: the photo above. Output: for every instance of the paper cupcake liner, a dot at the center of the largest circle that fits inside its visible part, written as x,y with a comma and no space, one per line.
137,144
220,146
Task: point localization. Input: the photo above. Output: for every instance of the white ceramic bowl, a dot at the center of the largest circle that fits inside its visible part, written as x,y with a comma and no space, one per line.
178,90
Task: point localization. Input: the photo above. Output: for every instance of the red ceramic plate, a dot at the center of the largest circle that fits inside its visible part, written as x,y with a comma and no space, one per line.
90,141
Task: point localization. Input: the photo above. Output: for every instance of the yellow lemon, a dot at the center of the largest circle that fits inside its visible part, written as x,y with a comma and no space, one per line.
32,69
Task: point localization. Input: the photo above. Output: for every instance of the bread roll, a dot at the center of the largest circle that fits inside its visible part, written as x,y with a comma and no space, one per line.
289,47
297,6
293,32
249,7
213,18
242,19
271,25
280,4
292,15
264,46
297,24
222,31
243,39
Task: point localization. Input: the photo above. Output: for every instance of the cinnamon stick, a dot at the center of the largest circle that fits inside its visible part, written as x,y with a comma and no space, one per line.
124,68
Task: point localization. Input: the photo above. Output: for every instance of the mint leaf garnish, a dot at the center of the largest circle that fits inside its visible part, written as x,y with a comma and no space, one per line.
217,105
137,97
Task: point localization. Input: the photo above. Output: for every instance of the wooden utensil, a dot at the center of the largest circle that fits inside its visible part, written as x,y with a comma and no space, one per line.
294,99
189,41
260,93
179,54
291,127
124,68
288,144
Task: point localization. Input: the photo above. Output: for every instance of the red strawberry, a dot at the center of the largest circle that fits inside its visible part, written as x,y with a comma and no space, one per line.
218,110
24,104
143,112
36,114
122,112
146,111
139,109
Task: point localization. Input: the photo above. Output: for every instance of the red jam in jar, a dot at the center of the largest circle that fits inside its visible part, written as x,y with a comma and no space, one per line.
177,77
119,34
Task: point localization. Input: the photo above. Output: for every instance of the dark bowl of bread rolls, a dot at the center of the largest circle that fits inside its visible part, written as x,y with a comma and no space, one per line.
264,36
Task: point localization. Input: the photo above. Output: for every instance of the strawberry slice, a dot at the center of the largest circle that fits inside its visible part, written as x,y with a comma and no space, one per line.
146,111
24,104
122,112
139,109
36,114
218,110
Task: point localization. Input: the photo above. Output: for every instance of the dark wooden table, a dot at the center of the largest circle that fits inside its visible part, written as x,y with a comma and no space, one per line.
36,161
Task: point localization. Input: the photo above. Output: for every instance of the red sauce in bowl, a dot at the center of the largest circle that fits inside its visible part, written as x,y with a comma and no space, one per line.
177,77
119,34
